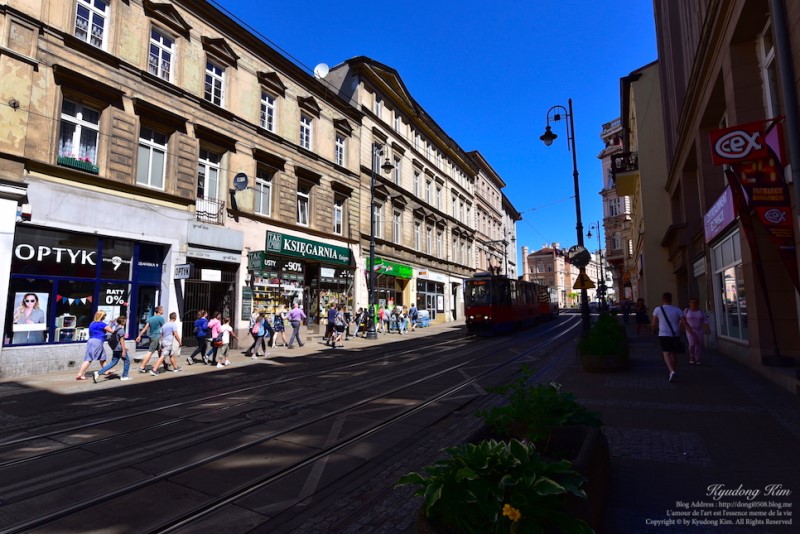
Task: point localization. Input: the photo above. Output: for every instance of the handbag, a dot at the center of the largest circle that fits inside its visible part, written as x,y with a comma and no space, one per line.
677,344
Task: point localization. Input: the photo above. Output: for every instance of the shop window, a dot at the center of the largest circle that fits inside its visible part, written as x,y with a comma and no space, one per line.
215,83
91,21
77,143
29,308
732,319
262,193
151,166
162,50
117,259
41,252
74,306
267,111
114,300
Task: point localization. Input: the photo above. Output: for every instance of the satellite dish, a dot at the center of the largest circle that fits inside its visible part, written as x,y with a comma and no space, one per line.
321,70
240,181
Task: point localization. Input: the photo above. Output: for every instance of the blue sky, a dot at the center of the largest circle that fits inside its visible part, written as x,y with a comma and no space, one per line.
487,72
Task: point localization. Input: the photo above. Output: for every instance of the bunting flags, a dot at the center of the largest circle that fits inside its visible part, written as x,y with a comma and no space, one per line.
71,301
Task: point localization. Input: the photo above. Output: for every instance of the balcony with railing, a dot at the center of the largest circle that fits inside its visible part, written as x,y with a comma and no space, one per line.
625,168
210,210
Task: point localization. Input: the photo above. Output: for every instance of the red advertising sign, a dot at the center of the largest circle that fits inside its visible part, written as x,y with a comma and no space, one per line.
747,142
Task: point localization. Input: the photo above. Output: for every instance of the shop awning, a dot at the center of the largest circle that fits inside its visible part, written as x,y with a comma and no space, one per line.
391,268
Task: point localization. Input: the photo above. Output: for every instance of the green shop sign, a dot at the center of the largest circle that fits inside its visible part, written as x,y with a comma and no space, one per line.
390,268
305,248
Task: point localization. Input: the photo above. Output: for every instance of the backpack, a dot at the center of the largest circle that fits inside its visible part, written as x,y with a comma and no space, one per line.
339,320
113,339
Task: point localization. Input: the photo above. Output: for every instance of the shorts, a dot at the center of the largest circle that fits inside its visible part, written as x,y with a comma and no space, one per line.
339,327
154,344
166,348
671,344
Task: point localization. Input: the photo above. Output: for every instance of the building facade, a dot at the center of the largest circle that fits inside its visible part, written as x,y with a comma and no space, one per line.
728,67
424,208
159,152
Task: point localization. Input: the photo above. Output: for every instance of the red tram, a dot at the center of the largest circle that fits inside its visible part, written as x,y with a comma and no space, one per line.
496,304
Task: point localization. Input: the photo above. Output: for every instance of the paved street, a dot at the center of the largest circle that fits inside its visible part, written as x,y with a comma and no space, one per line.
697,455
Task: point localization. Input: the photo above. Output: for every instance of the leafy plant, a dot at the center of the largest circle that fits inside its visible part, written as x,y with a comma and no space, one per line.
533,411
493,486
606,337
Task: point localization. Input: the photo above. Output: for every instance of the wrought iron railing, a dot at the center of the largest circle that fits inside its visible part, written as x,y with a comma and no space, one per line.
624,162
210,210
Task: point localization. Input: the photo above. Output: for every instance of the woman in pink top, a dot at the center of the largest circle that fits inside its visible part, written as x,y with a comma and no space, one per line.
696,324
216,335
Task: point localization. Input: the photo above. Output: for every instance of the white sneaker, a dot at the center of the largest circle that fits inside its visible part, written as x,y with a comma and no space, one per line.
266,354
254,357
126,378
228,362
220,365
178,370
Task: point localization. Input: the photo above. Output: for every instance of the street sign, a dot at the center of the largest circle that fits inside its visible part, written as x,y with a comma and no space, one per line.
583,281
579,256
183,271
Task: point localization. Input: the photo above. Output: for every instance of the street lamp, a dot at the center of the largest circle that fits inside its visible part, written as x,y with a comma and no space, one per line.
601,285
547,138
377,152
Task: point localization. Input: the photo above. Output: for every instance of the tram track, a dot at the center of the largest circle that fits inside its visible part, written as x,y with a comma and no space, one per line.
249,487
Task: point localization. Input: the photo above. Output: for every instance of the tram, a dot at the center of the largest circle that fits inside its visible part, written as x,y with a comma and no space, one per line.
497,304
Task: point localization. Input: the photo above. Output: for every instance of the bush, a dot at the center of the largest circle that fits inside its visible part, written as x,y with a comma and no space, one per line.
496,486
606,337
533,411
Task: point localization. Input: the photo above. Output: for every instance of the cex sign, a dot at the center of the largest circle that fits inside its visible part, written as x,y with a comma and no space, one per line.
745,142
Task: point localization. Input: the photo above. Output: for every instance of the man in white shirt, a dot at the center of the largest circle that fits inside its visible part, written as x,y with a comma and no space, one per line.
667,321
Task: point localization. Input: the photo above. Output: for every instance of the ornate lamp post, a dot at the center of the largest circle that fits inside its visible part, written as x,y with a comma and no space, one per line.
547,138
377,152
601,285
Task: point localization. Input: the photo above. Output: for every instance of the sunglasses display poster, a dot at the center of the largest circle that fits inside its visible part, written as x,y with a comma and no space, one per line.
29,317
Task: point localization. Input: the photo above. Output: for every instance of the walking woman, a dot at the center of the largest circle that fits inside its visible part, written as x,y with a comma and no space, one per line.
263,330
118,352
201,333
94,347
696,324
279,327
214,325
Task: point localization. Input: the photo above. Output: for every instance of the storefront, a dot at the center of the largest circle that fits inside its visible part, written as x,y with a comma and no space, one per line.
296,270
60,279
430,292
391,282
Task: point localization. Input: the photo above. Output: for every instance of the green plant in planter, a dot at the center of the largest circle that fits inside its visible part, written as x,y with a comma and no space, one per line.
496,486
606,337
533,411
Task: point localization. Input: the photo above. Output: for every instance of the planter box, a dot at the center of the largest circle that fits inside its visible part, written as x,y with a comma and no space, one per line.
586,447
594,363
74,163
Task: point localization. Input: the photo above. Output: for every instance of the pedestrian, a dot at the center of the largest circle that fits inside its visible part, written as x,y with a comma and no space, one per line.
296,317
666,322
169,334
695,323
339,325
383,319
213,326
642,322
358,319
400,318
118,352
348,318
279,327
626,311
413,314
153,329
329,327
260,330
94,346
201,333
227,332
